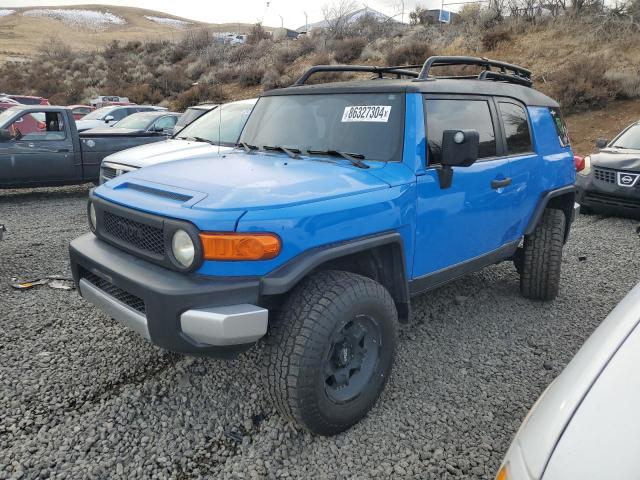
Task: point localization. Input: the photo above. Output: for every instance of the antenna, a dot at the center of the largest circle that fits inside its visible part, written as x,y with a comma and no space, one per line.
220,120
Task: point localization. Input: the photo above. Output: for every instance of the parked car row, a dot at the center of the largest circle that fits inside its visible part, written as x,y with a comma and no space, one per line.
42,145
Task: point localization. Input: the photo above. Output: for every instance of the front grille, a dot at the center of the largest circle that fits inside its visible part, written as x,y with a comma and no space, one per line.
612,200
109,173
134,234
604,175
116,292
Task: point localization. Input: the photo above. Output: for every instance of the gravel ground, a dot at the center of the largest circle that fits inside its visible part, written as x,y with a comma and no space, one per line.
81,397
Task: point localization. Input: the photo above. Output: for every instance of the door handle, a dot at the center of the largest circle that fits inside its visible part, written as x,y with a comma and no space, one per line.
495,184
62,150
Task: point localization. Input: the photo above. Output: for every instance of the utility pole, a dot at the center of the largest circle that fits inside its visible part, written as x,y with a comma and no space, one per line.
402,16
281,21
306,22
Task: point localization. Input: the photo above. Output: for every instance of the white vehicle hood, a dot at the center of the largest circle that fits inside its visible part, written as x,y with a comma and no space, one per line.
603,440
167,151
87,124
543,427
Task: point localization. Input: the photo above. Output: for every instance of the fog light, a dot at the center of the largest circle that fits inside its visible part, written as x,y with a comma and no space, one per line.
183,248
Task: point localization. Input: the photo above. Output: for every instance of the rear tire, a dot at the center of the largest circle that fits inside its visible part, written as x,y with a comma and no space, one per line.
330,352
542,257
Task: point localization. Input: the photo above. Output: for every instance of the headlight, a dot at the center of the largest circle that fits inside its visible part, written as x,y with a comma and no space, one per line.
183,248
92,217
586,170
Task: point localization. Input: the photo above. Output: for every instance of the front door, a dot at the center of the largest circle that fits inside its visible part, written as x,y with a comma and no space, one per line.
39,152
470,221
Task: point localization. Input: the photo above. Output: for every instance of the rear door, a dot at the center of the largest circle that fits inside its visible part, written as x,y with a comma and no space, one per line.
468,224
40,152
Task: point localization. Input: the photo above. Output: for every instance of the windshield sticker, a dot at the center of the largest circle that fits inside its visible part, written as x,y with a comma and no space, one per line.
367,113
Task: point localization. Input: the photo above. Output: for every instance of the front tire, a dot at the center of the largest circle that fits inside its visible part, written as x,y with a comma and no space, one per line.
330,352
541,257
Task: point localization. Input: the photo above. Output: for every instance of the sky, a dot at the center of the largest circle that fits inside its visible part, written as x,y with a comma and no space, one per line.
245,11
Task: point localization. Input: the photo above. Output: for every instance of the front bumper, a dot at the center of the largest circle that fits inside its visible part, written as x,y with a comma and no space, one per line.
180,312
607,197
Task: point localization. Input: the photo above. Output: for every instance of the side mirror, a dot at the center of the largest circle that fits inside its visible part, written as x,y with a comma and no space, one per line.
602,143
459,149
109,118
5,135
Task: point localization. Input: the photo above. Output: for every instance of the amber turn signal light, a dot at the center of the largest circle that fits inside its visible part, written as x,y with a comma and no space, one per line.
503,474
240,246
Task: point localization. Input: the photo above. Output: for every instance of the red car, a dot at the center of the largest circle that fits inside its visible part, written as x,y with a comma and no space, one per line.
80,111
28,99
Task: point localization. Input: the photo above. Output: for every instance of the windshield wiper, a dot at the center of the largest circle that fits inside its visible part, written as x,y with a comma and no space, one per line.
354,158
292,152
199,139
247,148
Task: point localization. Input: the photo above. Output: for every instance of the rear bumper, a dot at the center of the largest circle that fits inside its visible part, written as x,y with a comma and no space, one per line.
607,197
180,312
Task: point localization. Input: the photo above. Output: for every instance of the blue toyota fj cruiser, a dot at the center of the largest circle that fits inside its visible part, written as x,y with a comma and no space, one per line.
341,201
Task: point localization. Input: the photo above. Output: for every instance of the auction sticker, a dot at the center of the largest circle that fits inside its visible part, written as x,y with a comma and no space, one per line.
367,113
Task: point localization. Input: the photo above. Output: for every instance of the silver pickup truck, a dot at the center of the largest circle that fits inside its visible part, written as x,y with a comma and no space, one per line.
214,132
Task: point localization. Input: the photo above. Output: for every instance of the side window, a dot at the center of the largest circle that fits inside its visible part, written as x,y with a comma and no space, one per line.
561,127
516,128
165,123
38,126
119,114
459,114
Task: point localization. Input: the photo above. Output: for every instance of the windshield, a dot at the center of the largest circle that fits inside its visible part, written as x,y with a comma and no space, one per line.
98,114
137,121
220,126
6,115
189,116
368,124
630,138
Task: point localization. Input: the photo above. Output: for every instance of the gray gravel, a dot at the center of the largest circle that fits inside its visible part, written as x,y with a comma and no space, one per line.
81,397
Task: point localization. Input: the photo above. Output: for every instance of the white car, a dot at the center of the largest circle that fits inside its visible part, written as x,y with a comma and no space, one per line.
586,425
109,116
214,133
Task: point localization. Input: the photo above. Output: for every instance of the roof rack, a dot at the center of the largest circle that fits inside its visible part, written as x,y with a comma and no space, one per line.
505,71
398,71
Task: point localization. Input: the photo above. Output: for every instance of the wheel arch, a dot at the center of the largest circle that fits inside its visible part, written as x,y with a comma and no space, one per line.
559,199
379,257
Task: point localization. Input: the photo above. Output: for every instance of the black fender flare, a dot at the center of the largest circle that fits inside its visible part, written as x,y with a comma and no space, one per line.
561,198
286,277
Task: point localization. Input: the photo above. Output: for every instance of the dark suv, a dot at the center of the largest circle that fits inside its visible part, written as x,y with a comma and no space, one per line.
609,181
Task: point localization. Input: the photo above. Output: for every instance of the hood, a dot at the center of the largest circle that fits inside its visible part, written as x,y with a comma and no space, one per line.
617,158
115,132
167,151
82,125
240,181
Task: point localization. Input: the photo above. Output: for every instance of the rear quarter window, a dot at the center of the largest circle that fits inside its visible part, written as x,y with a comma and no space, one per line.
561,127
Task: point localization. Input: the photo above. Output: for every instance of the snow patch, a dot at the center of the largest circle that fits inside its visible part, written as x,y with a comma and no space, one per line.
5,12
171,22
92,19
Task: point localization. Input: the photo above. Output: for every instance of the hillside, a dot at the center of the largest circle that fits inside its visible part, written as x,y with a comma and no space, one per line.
89,28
